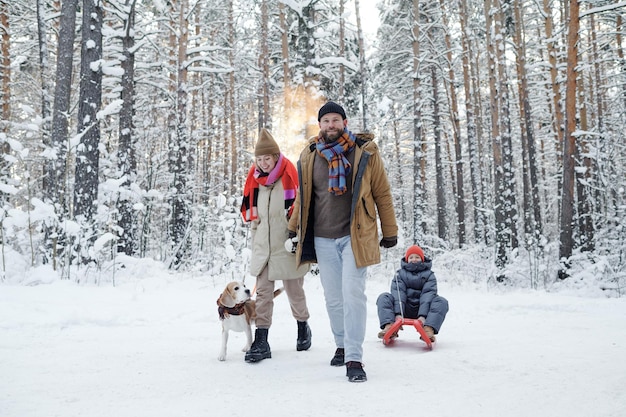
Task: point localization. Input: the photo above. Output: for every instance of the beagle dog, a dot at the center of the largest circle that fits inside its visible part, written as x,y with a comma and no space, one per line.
237,313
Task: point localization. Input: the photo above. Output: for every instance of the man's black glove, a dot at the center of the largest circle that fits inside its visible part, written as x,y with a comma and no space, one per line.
292,234
389,242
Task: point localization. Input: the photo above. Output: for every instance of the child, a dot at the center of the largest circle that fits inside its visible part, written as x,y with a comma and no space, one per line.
413,295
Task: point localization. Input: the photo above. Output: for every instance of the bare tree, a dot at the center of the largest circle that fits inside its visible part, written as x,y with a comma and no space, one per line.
566,237
499,184
90,101
231,135
439,170
418,156
127,163
44,70
342,51
532,204
552,52
264,57
284,53
456,125
471,126
619,27
362,66
5,71
55,165
179,144
5,112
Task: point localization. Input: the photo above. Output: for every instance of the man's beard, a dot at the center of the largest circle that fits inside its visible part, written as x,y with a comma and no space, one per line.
330,137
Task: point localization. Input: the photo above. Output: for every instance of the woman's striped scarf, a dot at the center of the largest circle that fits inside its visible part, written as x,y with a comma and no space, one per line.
338,165
284,170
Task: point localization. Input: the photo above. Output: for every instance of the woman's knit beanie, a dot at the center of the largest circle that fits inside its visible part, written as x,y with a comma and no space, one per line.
266,145
414,250
331,107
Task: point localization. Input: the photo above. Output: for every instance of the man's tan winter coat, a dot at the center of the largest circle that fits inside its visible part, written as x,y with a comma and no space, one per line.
370,193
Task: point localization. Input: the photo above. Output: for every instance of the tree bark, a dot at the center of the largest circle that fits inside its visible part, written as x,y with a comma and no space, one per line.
179,139
5,73
532,204
44,69
456,124
127,163
284,44
501,238
439,174
566,236
90,102
265,119
418,159
362,67
470,118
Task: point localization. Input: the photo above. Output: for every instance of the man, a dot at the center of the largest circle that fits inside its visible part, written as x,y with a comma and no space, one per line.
342,184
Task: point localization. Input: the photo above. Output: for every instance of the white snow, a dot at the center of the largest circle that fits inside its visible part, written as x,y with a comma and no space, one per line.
148,347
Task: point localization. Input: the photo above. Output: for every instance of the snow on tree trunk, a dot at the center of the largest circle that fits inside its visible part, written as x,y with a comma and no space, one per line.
566,237
90,100
127,163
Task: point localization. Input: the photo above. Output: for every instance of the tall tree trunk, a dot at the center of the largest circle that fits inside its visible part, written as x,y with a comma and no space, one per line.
439,174
55,165
566,236
90,101
398,156
284,44
230,104
342,52
584,182
127,163
470,116
305,27
44,68
362,66
264,56
179,165
5,115
532,204
552,50
456,124
621,64
501,238
418,159
583,176
510,209
5,74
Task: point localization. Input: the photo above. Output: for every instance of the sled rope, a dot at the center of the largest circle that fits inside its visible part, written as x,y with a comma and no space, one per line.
395,277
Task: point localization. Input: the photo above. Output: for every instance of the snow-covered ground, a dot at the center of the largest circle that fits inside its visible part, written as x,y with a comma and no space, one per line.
148,347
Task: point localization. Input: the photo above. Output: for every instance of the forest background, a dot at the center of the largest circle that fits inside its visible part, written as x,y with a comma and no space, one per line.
127,127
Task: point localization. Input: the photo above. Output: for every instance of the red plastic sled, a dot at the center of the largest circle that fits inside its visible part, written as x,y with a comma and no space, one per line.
387,339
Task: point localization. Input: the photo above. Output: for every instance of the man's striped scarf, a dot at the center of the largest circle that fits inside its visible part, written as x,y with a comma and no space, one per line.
338,165
284,170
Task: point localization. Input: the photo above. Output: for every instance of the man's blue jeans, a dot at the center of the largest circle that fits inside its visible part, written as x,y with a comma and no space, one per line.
344,291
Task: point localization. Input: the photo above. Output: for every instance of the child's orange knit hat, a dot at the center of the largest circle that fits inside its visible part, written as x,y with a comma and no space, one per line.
414,250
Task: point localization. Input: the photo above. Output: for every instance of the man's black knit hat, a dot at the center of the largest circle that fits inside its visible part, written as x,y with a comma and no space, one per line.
331,107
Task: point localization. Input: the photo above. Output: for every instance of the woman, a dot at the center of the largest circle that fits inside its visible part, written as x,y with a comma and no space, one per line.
269,193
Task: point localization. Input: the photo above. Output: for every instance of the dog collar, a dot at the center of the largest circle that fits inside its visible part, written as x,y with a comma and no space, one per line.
224,312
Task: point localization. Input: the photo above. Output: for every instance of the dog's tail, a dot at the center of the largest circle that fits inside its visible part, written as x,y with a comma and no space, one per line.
278,291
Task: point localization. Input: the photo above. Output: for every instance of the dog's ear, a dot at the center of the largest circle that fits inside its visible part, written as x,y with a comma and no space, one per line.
226,298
